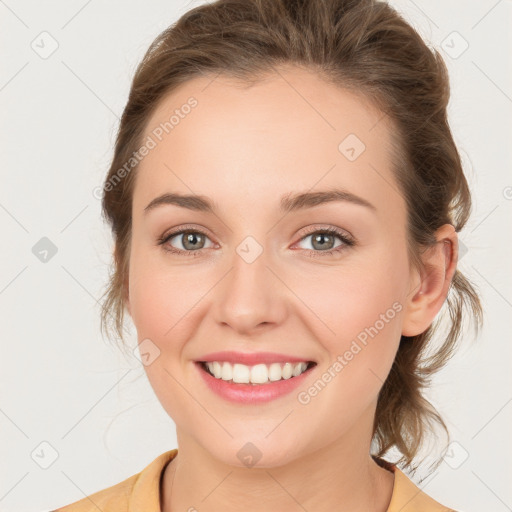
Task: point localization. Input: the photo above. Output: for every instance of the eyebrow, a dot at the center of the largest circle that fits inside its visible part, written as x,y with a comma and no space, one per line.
288,203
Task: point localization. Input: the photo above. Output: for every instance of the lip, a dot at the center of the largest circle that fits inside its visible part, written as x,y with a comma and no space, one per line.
252,358
250,393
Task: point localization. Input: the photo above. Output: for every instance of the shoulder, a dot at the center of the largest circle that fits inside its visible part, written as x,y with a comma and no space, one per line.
408,497
112,498
141,490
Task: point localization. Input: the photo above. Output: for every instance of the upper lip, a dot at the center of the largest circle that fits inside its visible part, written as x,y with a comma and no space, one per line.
252,358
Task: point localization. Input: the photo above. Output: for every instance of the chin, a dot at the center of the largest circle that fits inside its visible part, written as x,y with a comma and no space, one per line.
253,452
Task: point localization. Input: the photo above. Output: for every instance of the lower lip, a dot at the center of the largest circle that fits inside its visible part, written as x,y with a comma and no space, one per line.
249,393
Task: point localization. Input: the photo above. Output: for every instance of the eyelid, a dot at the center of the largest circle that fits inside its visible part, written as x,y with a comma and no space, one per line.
185,227
309,230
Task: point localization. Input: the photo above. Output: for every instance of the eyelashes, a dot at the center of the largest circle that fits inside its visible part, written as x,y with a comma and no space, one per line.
346,241
167,247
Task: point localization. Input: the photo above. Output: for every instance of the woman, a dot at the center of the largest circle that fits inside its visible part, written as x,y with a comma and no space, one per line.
285,197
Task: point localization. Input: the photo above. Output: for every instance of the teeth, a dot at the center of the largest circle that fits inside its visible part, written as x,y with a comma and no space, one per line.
258,374
287,370
217,370
274,372
226,372
241,373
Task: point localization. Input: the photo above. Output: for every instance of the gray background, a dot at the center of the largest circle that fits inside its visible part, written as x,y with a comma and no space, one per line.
76,415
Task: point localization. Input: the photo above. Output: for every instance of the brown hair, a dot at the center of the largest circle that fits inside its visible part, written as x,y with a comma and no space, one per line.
361,45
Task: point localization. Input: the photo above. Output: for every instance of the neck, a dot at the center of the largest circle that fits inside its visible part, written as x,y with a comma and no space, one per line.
340,476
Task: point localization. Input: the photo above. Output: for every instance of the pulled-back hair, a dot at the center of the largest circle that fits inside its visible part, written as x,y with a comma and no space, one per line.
363,46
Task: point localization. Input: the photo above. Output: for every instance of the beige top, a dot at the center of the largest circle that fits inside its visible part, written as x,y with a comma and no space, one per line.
141,493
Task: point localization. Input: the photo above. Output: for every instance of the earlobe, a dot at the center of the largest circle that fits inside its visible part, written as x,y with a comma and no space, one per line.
440,263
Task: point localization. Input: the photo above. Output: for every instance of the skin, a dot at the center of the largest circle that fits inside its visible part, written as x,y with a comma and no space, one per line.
277,137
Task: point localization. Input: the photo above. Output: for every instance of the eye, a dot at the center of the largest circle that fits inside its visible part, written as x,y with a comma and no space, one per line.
323,241
188,240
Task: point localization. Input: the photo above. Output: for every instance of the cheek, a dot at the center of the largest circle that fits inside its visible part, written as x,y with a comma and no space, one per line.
350,302
148,302
162,311
360,311
367,331
167,306
160,294
360,354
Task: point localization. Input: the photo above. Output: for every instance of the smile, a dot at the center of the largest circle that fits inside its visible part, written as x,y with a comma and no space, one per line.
266,386
257,374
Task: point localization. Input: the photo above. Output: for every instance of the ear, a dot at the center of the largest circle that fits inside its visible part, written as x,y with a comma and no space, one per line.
430,290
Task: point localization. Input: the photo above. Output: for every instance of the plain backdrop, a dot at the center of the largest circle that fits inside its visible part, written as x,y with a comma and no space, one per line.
76,415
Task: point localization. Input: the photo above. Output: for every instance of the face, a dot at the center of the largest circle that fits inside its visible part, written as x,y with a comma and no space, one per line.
316,278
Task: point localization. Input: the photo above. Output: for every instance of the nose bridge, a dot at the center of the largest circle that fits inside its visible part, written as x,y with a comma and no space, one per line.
249,294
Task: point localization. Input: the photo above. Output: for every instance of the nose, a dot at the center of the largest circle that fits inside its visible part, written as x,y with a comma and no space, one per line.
250,296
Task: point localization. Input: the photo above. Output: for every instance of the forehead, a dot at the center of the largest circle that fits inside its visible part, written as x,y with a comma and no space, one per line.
291,131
